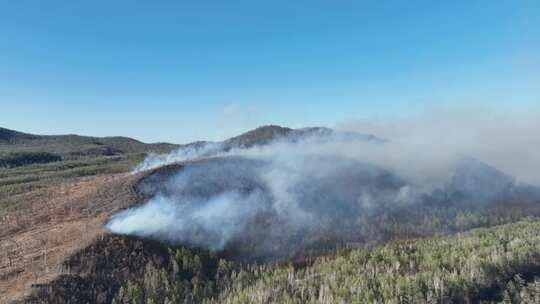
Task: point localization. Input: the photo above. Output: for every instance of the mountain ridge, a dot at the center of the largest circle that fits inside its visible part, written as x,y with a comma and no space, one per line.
72,146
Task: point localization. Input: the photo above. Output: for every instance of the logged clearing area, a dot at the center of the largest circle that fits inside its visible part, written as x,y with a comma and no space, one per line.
58,221
56,192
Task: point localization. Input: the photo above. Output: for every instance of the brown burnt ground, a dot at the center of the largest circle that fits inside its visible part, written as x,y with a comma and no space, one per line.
36,242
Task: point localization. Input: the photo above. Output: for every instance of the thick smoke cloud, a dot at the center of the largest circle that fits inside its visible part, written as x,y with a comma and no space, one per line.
273,201
508,140
210,223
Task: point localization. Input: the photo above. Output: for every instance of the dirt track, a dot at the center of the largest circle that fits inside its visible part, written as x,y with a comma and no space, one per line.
61,220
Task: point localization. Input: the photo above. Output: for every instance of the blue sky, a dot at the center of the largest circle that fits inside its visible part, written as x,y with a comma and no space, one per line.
185,70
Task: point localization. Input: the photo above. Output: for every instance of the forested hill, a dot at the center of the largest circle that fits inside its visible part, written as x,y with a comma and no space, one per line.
74,145
31,162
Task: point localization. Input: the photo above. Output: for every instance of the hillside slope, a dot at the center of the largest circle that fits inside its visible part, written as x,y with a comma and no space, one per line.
480,266
31,162
55,223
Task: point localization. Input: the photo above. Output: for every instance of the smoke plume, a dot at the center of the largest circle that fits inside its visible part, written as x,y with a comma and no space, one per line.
294,194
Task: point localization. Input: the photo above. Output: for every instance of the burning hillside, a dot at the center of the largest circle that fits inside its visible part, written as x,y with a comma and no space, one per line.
309,193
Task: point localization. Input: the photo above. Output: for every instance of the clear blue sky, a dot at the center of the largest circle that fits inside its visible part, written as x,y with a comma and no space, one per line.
184,70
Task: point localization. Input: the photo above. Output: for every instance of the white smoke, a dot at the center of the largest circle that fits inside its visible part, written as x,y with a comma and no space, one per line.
210,223
288,193
508,140
187,152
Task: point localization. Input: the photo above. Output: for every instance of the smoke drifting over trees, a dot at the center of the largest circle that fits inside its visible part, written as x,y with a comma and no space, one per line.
298,193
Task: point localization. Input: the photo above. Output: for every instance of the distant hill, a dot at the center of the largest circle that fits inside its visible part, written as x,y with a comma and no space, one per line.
265,134
9,136
18,148
76,145
260,136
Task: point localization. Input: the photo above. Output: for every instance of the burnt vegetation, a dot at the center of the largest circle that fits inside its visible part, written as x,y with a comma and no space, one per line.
267,236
